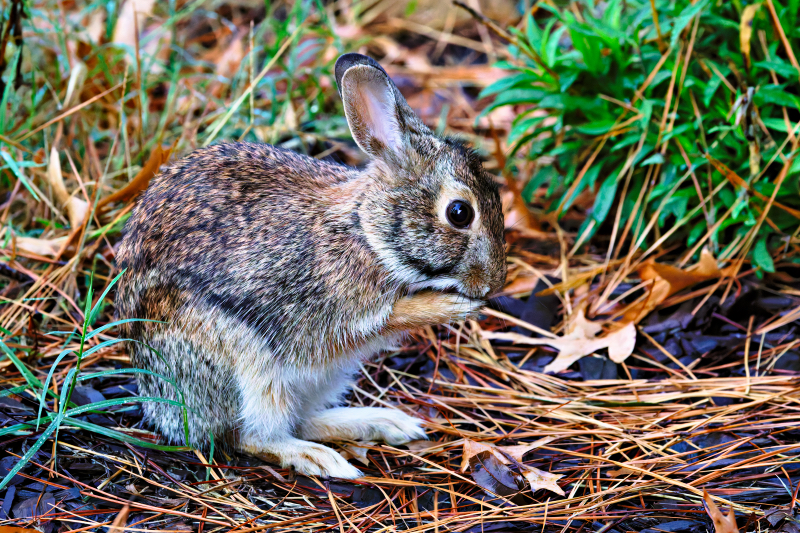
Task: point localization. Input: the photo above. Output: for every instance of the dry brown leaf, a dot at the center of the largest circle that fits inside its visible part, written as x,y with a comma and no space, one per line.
76,208
471,448
76,78
125,29
722,523
139,182
422,447
581,340
668,280
43,247
359,453
493,463
121,519
539,479
228,63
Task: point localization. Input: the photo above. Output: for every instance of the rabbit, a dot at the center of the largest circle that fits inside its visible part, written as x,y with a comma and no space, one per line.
266,278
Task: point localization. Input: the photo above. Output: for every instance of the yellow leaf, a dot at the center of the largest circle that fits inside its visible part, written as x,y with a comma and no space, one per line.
746,30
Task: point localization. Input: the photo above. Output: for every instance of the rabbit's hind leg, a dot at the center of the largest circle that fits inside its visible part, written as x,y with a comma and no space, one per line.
269,416
362,423
307,458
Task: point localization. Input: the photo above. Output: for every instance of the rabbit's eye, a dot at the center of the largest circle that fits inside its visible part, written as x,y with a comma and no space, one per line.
460,214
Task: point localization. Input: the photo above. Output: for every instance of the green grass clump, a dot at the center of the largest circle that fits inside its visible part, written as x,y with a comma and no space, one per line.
640,105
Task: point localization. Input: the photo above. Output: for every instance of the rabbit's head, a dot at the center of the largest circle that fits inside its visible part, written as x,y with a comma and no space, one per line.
430,212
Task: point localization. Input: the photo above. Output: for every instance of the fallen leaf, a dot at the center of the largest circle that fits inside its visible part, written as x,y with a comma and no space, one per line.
359,453
499,469
228,62
539,479
142,179
131,16
121,519
722,523
521,449
422,447
581,340
490,473
76,208
668,280
76,78
44,247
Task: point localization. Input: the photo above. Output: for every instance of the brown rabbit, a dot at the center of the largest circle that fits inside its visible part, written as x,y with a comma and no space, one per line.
273,275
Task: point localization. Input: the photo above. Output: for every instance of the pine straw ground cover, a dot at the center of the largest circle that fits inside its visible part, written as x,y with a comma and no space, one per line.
705,402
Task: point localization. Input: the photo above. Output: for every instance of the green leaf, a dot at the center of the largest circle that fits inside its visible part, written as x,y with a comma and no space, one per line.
776,124
509,82
782,68
605,198
96,308
99,406
683,20
27,374
118,323
655,159
521,128
30,453
776,94
711,87
513,97
122,437
544,175
597,128
761,256
18,173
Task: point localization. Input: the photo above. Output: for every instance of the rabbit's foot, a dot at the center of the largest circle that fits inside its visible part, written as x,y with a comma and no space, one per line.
307,458
363,423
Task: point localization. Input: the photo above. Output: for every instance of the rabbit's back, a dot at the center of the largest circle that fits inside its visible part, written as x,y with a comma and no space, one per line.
226,197
266,237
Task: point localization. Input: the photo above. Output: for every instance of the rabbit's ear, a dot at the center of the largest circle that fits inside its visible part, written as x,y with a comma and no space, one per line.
377,113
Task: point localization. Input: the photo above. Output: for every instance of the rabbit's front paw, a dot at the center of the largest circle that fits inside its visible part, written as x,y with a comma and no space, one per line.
363,423
431,308
459,307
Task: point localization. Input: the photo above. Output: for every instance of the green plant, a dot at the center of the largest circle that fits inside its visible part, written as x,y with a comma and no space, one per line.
646,104
63,411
